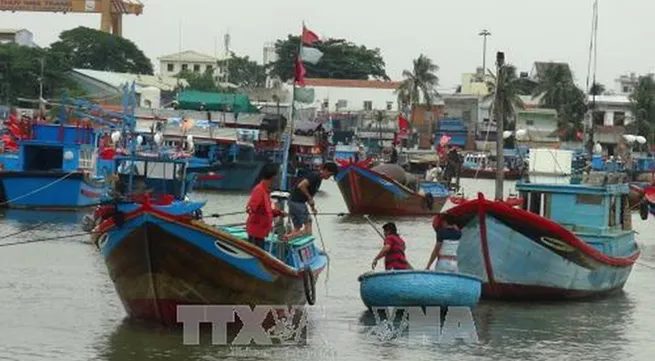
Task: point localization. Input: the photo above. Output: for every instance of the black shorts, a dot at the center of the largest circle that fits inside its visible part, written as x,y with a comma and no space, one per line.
259,242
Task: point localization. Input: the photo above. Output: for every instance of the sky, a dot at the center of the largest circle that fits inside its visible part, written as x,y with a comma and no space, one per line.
446,31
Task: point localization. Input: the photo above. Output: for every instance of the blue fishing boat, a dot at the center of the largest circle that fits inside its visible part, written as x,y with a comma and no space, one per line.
161,254
565,241
410,288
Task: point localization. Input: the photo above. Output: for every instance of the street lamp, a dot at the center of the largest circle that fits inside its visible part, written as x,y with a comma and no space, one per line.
484,33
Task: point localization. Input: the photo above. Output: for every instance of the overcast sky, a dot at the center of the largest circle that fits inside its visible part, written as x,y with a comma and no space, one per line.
446,31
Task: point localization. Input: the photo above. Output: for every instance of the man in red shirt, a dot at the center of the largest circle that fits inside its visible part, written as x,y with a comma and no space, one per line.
260,212
393,250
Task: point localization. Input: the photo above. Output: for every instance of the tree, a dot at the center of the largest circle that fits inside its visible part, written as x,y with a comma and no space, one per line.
92,49
504,89
341,59
22,70
525,86
597,89
244,72
554,85
380,117
204,82
571,115
420,81
643,107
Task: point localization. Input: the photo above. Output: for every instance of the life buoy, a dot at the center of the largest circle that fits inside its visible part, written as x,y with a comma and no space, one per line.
309,285
428,201
644,208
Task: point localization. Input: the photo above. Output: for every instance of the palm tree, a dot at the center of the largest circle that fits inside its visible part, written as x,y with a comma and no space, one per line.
597,89
504,89
643,107
420,81
554,85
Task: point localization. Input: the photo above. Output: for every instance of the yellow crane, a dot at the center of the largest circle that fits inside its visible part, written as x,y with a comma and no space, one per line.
111,11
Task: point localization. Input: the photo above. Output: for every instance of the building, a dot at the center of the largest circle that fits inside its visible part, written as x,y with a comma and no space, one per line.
466,108
270,56
455,128
108,86
22,37
540,125
349,95
475,83
610,115
424,121
626,84
173,64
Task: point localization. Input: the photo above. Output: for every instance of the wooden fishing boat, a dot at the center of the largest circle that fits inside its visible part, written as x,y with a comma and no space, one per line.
387,190
565,241
410,288
160,254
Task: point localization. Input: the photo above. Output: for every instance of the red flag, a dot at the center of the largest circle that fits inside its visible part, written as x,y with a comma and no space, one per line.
403,127
308,36
300,72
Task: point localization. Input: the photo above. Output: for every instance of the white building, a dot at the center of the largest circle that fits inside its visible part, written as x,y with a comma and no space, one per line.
22,37
626,84
346,95
610,116
171,65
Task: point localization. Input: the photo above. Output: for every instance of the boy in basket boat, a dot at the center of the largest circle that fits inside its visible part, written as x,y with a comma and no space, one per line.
393,250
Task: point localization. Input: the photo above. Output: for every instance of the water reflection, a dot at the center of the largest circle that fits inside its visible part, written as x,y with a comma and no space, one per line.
31,217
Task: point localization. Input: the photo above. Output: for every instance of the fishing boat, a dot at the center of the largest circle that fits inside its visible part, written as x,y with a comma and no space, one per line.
478,165
53,166
387,189
413,288
565,241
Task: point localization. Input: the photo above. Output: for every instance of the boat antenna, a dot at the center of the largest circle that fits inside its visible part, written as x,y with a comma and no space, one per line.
593,54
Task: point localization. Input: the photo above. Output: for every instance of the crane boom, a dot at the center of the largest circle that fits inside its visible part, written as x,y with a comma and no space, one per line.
112,11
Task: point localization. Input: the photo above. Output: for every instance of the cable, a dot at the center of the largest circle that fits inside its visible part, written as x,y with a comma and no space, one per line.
39,189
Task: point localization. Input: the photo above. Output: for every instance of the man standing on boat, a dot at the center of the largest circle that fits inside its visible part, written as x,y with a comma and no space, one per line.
260,212
302,195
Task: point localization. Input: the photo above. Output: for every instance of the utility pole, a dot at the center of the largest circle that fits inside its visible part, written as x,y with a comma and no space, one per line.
500,124
227,57
484,33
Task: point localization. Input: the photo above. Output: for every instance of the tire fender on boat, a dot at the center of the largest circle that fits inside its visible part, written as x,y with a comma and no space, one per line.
309,285
643,209
428,201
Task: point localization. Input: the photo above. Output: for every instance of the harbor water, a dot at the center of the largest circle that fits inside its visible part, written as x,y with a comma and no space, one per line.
58,302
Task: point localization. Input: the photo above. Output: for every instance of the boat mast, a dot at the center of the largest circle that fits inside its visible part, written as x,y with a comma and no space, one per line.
500,124
287,145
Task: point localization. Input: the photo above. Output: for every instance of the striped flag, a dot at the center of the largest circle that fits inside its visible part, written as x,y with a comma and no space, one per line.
310,55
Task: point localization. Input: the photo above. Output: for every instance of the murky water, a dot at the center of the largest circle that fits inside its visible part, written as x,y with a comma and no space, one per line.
58,302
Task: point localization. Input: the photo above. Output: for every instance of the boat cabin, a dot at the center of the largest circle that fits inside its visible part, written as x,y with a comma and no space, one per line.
155,174
581,208
52,147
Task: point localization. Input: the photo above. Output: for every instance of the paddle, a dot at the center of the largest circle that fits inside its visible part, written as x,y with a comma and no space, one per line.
373,225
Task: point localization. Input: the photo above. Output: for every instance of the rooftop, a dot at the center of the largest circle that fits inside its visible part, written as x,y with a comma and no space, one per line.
611,99
142,81
190,56
352,83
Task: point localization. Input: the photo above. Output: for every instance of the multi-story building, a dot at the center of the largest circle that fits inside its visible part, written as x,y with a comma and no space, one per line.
22,37
171,65
610,115
626,84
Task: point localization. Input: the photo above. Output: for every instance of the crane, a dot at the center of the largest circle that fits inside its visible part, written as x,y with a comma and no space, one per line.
111,11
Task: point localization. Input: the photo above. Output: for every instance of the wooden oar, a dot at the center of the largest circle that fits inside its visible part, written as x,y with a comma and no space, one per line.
373,225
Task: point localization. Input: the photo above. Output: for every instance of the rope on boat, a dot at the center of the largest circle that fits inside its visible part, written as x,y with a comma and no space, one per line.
75,235
39,189
320,236
32,228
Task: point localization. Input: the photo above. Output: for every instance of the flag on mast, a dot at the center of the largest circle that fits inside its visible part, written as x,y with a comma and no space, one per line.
310,55
308,37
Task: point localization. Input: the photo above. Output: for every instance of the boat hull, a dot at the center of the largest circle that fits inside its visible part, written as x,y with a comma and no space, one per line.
158,264
50,190
419,288
521,256
237,176
368,192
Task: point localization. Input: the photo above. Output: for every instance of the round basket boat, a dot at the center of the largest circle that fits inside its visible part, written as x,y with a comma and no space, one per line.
409,288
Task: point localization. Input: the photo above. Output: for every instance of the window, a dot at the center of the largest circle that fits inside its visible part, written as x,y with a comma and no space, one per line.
86,159
626,89
389,105
170,67
529,122
185,66
342,103
196,68
368,105
210,68
599,118
619,119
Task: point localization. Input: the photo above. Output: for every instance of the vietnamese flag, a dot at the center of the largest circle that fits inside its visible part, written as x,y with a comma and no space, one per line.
403,127
308,36
300,72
